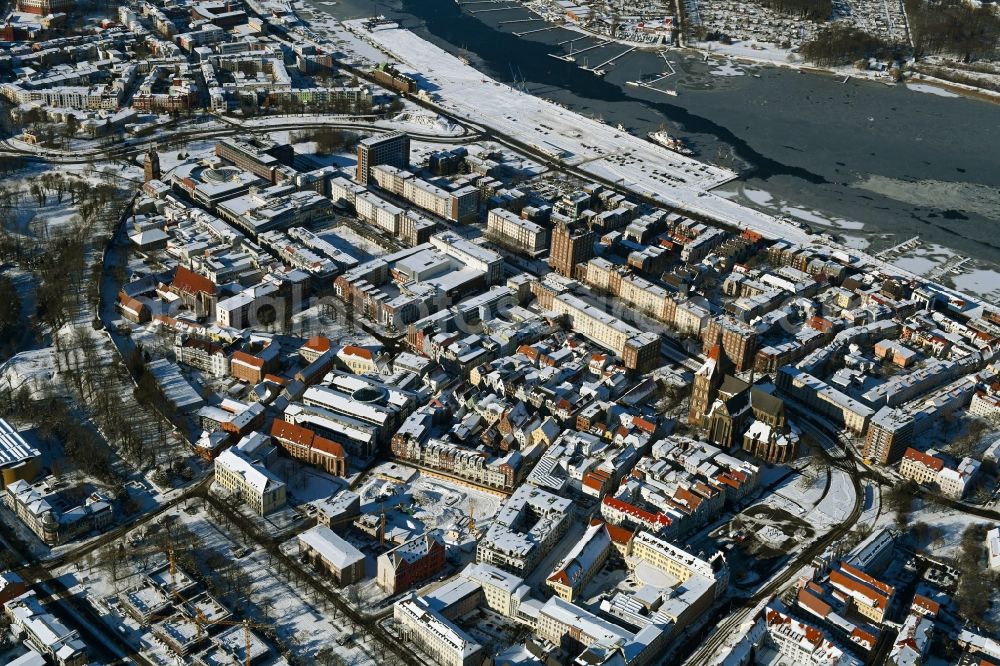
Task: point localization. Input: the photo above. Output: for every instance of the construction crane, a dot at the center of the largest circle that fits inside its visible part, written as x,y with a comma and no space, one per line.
381,524
172,566
473,529
201,621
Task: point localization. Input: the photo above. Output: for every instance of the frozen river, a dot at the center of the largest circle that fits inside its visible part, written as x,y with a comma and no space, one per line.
873,164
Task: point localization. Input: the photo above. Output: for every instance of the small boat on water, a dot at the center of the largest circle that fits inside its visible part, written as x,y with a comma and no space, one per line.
661,137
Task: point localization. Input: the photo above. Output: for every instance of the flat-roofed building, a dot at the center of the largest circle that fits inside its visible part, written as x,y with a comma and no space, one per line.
530,522
508,229
18,459
503,591
993,547
472,255
572,245
392,149
836,405
679,563
573,627
639,350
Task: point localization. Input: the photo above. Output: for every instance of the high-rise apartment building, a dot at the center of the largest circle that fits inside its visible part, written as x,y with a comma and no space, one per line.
572,245
392,149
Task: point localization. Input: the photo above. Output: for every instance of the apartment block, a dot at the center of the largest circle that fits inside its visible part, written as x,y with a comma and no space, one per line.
392,149
241,471
510,230
530,522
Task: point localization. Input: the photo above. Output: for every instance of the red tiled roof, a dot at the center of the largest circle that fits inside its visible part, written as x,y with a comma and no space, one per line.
618,534
248,359
928,605
730,481
864,577
130,303
328,446
595,480
318,343
352,350
529,351
862,636
643,424
636,512
283,430
289,431
705,490
191,282
774,617
935,464
686,496
877,598
811,602
560,577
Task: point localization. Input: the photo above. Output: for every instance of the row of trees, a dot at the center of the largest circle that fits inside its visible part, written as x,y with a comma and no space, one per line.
11,330
329,141
974,579
60,425
954,26
839,44
813,10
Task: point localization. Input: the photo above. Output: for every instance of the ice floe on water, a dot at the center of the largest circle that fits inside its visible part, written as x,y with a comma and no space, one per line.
932,90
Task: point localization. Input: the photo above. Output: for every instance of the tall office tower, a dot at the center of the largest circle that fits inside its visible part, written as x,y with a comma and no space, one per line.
572,245
392,149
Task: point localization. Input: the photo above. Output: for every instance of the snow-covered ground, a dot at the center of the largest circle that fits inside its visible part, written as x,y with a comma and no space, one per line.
933,90
430,502
275,601
581,142
574,139
838,503
751,50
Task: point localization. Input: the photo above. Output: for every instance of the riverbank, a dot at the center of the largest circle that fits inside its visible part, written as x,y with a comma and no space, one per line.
854,160
577,143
